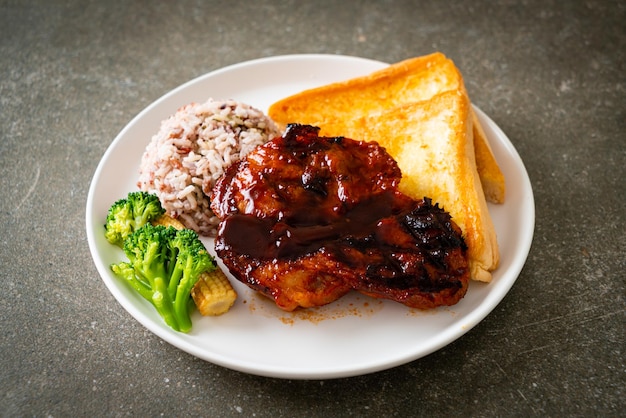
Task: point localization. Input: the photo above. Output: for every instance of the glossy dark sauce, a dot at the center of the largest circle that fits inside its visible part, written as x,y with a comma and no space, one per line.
303,230
335,201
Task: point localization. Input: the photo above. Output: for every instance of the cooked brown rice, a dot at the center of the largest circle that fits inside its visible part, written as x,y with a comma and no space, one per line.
191,151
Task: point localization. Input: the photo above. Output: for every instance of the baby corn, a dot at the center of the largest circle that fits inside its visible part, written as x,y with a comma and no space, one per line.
213,294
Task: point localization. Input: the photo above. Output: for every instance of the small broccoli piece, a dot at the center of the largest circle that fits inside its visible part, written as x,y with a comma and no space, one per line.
192,259
164,264
131,213
148,251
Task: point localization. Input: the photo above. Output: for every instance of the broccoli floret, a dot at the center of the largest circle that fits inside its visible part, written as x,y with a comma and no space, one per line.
191,260
164,265
131,213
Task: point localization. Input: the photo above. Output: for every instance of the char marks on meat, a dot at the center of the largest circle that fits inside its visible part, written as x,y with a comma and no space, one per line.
306,219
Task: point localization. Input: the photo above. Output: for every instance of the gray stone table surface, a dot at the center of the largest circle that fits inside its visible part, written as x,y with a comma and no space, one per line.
549,73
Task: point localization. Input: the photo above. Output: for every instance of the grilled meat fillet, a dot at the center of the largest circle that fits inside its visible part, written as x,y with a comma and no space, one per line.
306,219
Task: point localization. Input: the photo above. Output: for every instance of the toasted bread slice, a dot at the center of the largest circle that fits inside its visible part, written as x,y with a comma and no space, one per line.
491,177
429,140
408,81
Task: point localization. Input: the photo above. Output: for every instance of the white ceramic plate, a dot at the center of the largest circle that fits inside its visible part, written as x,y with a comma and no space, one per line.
353,336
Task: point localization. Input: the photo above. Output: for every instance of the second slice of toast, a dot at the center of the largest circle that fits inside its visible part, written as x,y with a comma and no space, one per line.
429,140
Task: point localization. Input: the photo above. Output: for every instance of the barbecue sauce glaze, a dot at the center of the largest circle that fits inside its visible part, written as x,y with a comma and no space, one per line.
302,194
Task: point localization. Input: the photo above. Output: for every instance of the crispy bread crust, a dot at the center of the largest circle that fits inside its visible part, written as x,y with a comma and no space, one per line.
491,177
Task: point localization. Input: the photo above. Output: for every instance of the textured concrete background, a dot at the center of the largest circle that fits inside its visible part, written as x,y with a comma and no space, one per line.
550,74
